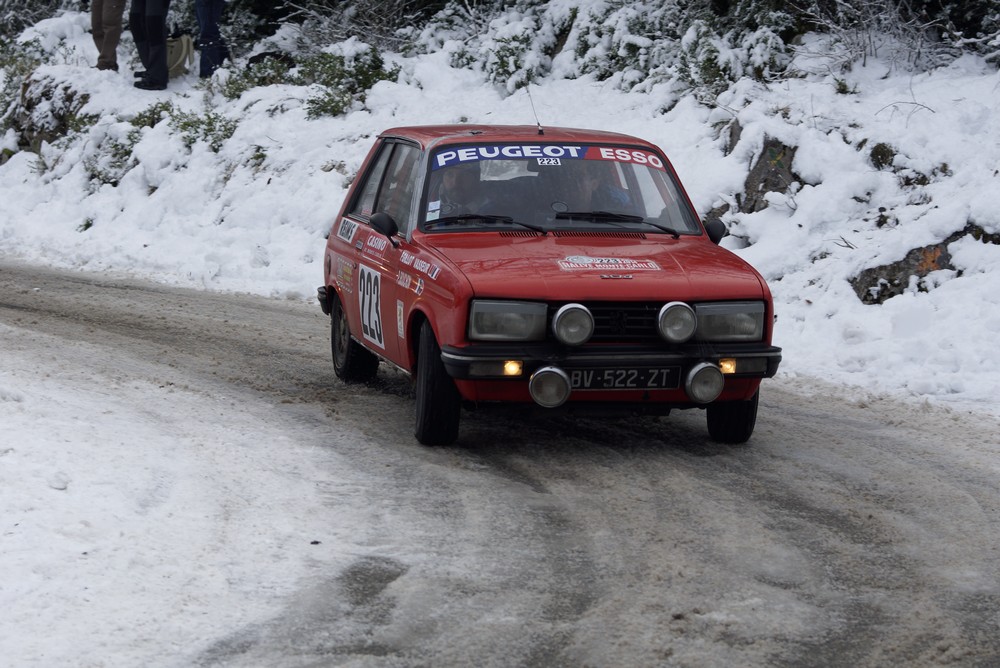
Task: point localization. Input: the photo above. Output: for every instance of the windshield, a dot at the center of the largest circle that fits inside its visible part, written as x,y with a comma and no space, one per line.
553,187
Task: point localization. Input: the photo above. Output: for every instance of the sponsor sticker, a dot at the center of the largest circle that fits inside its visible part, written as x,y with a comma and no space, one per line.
606,264
400,324
345,274
346,230
499,152
425,267
633,155
376,245
433,210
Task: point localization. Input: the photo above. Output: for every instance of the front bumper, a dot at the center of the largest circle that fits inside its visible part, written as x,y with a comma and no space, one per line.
486,361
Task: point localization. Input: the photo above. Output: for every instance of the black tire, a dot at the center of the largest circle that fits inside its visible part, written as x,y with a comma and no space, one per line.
732,421
438,404
351,362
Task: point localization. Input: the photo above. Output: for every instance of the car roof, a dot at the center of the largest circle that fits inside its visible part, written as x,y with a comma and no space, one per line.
432,135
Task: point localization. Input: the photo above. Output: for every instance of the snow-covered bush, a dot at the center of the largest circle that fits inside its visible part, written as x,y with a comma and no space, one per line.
512,51
457,25
209,127
711,62
266,72
374,21
112,157
16,15
629,40
340,76
47,110
17,61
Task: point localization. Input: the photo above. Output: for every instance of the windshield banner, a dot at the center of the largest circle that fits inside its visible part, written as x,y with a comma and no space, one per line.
547,154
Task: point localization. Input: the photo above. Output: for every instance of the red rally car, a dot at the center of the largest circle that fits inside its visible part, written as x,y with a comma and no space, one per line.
547,266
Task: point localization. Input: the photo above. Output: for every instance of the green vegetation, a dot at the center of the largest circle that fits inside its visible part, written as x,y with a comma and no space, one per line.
208,127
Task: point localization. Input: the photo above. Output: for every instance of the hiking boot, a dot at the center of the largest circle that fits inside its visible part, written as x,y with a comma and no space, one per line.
146,84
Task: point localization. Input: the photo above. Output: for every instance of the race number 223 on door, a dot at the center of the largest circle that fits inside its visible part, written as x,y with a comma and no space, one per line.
369,292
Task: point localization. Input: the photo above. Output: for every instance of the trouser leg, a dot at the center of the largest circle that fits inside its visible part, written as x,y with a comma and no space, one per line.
210,42
97,24
137,24
106,23
156,40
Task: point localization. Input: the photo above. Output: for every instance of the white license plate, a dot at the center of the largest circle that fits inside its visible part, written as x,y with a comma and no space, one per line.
667,378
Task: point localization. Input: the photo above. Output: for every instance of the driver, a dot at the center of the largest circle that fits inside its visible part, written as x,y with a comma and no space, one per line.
460,190
595,187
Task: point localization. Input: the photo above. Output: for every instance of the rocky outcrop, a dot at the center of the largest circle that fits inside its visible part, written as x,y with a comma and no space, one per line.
877,284
771,173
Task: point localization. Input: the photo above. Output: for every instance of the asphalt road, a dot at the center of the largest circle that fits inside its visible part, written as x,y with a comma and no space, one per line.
850,530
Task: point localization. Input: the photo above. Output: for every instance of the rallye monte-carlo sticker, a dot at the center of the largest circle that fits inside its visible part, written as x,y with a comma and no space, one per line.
583,262
545,152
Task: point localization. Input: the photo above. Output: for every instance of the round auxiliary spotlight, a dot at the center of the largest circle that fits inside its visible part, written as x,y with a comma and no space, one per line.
704,383
549,387
677,322
573,324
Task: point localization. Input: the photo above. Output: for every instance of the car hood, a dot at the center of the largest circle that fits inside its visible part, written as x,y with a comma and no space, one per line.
598,267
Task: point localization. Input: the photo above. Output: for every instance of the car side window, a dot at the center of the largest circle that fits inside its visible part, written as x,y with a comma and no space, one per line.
364,205
396,195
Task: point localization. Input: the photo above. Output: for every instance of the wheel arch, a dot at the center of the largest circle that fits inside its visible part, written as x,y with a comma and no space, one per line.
417,319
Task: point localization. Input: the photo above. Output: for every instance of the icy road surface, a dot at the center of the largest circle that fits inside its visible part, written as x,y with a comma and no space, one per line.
183,481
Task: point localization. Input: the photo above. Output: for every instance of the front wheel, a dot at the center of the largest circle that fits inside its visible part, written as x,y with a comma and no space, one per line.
438,404
351,362
733,421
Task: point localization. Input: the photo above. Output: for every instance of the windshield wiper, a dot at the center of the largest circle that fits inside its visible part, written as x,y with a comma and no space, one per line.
461,218
485,217
613,217
668,230
601,215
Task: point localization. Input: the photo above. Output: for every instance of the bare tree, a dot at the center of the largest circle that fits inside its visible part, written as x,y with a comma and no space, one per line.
373,21
886,28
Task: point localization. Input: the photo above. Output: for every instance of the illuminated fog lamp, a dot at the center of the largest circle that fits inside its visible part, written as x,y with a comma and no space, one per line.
704,383
513,368
549,387
727,366
677,322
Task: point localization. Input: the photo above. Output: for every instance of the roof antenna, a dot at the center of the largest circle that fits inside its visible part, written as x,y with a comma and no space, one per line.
527,89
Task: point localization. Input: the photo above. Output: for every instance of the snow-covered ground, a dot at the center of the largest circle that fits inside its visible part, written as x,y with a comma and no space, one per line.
136,512
252,218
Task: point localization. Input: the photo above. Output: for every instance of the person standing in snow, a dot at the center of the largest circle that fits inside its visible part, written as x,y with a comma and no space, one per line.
148,22
106,27
210,43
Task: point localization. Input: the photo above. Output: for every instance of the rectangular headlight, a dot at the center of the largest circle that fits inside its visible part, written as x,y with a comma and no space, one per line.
730,321
507,321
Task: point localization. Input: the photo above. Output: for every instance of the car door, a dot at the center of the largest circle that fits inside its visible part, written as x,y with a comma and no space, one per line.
388,187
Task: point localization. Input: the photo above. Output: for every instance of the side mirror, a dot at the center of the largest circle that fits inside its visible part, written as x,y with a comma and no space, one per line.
716,230
385,224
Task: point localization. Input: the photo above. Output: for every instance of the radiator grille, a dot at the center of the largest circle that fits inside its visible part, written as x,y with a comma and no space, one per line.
624,322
